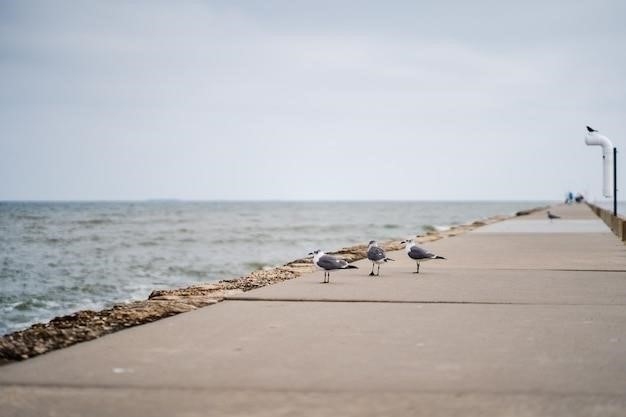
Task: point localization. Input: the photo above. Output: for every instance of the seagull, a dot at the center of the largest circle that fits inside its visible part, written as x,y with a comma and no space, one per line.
591,129
552,216
377,256
419,254
328,263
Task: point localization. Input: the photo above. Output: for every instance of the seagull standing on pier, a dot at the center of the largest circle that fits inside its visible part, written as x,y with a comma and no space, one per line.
418,254
552,216
329,263
377,256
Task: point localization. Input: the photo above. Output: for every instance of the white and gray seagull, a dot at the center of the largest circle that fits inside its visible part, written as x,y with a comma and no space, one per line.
418,254
552,216
377,255
329,263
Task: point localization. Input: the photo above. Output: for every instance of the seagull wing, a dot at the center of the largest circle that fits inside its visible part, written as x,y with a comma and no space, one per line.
419,253
328,262
375,254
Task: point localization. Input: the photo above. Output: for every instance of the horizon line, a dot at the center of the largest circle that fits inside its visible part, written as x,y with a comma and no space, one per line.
275,200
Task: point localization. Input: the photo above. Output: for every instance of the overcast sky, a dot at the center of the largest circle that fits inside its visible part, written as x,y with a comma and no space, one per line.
293,100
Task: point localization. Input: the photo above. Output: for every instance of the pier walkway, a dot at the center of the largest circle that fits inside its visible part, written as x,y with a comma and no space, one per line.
526,317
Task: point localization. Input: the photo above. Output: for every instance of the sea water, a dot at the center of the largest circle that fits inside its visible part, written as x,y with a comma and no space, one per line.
60,257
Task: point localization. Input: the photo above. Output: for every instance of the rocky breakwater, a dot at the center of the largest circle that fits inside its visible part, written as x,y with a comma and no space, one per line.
86,325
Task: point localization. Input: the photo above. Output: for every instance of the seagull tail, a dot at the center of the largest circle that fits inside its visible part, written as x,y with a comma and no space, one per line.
389,259
351,267
439,257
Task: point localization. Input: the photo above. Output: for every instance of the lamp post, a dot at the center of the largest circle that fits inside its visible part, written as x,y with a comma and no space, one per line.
609,163
615,182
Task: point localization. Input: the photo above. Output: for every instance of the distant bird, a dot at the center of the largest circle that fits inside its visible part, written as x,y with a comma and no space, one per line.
418,254
329,263
377,256
552,216
591,129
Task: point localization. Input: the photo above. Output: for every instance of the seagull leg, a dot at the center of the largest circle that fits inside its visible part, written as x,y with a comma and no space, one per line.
418,268
378,271
372,273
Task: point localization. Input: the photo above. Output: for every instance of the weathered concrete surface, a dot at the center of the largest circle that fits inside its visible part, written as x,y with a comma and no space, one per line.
361,346
566,212
116,402
513,323
454,286
546,226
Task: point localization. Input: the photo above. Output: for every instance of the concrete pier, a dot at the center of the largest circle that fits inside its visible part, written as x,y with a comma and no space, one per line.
526,317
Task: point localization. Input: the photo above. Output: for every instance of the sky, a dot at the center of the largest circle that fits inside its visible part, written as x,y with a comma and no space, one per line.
309,100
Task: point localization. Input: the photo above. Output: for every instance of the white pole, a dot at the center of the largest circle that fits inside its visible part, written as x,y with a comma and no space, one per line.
593,138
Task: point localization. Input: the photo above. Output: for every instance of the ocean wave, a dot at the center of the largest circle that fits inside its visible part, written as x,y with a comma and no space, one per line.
94,222
94,288
435,228
34,304
56,240
186,271
187,240
35,227
256,265
230,241
28,217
